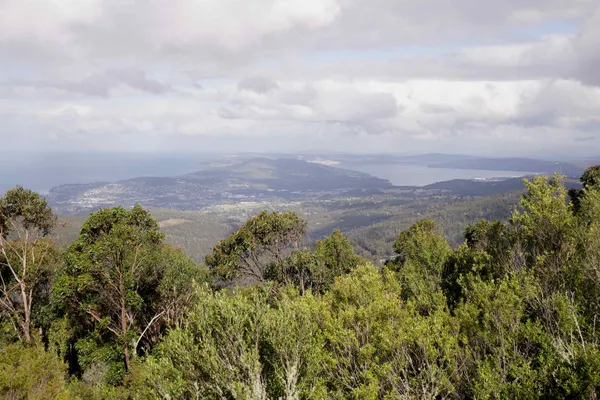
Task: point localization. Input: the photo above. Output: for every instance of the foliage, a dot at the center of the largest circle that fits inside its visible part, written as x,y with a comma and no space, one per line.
589,180
335,257
332,256
422,252
119,286
24,210
512,312
31,373
263,240
242,347
381,346
545,231
28,259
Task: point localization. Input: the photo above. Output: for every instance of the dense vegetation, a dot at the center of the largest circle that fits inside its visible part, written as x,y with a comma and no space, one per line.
371,224
512,312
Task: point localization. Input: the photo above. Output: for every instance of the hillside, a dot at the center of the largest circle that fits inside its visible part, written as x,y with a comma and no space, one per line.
254,180
376,241
479,188
371,223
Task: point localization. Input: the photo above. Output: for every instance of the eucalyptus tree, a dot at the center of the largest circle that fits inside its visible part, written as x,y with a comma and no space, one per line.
28,258
120,283
261,244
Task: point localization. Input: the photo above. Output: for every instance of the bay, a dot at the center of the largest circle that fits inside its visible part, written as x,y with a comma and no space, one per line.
421,175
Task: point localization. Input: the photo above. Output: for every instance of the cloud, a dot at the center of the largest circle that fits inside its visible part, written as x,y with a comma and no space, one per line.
98,84
349,104
225,32
562,103
257,85
299,74
179,31
587,45
585,139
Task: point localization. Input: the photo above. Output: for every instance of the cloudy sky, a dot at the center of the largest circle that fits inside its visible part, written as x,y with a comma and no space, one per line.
403,76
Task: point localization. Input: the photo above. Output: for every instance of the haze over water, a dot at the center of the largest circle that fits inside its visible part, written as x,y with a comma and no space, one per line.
42,172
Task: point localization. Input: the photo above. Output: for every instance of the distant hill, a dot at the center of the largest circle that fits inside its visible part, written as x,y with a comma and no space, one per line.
467,187
296,175
343,159
512,164
254,180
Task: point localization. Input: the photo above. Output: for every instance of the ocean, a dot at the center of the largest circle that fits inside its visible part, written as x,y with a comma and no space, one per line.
41,172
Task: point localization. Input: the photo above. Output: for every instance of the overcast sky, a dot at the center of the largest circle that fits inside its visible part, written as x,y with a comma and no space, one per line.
403,76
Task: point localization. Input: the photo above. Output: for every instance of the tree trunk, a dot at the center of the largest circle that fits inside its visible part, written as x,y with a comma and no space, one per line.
124,332
124,322
26,303
127,358
27,311
291,382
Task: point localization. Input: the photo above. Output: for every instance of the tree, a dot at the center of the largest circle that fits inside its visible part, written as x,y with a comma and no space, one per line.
28,259
263,242
422,254
299,269
507,351
422,243
486,254
588,252
382,347
544,232
590,179
335,256
216,353
120,282
242,345
30,372
294,347
332,256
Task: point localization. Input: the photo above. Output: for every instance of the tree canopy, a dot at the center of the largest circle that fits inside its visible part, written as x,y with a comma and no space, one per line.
512,312
262,241
119,283
28,259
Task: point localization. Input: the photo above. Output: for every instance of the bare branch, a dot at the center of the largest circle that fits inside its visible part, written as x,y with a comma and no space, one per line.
98,319
154,319
8,264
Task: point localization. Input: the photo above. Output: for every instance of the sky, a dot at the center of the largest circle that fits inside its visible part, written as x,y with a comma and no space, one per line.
511,77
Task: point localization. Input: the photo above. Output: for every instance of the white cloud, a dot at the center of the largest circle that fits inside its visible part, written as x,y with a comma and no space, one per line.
47,20
257,84
587,45
467,74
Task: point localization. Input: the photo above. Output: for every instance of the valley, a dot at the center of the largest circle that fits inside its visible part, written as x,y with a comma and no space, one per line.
197,210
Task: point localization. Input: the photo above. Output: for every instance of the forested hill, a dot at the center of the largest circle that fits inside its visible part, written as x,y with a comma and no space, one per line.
479,188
